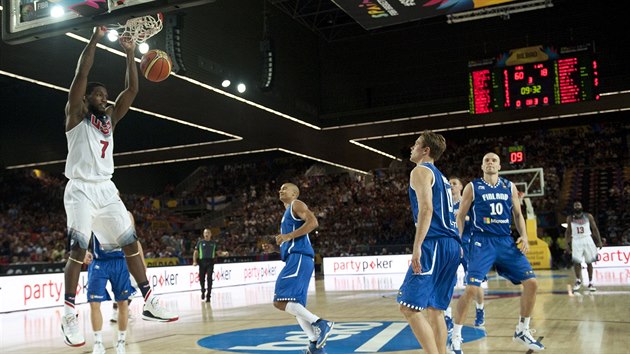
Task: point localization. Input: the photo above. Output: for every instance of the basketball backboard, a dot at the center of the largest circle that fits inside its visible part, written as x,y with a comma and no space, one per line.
29,20
530,182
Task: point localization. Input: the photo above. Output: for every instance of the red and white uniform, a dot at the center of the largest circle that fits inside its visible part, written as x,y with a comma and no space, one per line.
91,199
583,247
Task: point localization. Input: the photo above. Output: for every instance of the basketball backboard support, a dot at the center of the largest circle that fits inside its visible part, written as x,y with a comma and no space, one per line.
28,20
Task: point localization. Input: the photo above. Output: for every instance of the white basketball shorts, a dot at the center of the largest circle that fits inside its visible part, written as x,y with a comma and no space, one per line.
97,207
583,249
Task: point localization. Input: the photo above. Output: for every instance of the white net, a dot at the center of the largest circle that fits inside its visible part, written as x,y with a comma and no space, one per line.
139,29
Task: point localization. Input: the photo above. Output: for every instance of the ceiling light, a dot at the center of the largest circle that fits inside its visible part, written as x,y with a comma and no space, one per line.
143,48
226,83
241,88
112,35
56,11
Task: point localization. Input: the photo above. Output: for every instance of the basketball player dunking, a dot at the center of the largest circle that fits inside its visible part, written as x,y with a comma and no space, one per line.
91,199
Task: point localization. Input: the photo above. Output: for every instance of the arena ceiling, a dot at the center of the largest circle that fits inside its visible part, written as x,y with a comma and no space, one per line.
343,95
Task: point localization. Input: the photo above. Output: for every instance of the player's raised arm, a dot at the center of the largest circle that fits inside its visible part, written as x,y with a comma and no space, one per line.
464,206
126,97
76,96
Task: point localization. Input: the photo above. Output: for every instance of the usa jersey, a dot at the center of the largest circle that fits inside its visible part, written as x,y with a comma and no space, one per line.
301,244
492,208
580,227
466,234
100,254
443,222
90,149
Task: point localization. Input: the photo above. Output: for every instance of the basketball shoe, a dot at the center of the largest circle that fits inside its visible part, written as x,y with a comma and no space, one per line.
312,349
323,329
120,347
454,345
578,285
591,287
449,323
72,336
153,311
524,337
480,318
99,348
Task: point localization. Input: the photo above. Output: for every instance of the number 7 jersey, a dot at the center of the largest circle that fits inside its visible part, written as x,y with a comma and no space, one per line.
90,149
491,207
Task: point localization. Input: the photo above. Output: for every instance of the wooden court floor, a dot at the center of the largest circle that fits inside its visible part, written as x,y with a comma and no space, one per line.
589,323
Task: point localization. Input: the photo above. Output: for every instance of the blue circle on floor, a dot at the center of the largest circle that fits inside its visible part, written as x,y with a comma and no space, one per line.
346,337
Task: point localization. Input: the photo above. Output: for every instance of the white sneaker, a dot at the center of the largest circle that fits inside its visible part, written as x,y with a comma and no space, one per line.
120,347
153,311
591,287
455,345
578,285
99,348
114,318
72,336
524,336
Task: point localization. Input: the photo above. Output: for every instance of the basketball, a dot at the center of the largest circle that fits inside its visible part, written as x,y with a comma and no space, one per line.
155,65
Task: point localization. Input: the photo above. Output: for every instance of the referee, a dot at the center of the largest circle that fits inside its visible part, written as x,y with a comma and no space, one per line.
204,254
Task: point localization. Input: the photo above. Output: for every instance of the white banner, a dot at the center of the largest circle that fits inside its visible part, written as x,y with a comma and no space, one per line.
607,257
45,290
613,257
367,265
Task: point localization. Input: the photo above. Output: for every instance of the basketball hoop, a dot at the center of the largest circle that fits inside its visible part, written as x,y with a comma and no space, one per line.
139,29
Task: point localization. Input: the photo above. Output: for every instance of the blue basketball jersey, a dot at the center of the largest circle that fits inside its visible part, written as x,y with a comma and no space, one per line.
443,222
301,244
103,255
492,208
467,223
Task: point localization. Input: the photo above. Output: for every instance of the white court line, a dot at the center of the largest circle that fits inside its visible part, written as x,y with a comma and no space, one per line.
383,337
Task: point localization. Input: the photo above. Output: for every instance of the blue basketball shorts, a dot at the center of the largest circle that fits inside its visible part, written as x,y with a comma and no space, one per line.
466,248
501,251
116,272
293,280
433,287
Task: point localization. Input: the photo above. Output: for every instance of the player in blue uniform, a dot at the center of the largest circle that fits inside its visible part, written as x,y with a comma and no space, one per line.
107,266
429,282
494,202
456,189
296,251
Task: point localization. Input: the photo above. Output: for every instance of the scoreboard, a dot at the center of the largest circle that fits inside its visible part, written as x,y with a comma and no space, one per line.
533,77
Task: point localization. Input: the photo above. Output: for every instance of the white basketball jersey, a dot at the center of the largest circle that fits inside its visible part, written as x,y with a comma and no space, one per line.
580,227
90,149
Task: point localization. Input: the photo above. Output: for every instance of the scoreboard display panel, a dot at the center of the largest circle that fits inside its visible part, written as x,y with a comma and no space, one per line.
533,77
